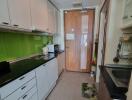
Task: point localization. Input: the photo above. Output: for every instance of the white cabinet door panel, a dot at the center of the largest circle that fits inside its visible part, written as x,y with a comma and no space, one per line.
4,13
34,97
52,72
20,13
39,14
42,81
36,14
51,17
45,15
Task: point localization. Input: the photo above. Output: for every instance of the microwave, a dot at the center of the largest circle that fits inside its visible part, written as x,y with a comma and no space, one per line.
53,48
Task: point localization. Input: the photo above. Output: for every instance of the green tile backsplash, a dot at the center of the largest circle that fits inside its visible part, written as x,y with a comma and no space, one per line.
17,45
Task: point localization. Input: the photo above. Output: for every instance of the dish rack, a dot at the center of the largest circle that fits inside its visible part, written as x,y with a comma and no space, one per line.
126,47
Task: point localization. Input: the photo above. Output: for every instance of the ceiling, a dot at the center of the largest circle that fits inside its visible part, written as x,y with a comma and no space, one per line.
68,4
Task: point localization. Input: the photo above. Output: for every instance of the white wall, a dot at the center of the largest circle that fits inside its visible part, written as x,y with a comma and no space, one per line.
59,37
96,25
114,31
102,21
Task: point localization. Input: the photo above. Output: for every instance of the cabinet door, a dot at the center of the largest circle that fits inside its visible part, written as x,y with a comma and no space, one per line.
4,14
20,13
39,14
34,97
45,15
52,71
55,20
51,17
42,81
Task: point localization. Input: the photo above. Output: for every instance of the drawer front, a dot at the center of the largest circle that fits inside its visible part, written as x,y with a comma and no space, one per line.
13,86
29,94
35,97
22,90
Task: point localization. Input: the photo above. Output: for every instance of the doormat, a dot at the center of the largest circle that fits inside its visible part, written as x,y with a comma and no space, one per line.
89,91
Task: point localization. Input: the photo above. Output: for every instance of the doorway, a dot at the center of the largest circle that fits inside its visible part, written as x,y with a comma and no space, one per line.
78,26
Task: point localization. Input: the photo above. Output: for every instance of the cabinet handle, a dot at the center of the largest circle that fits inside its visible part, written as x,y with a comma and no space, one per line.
44,64
22,78
23,87
16,25
24,96
5,23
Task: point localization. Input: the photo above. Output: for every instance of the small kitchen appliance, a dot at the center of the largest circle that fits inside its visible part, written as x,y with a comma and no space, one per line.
53,48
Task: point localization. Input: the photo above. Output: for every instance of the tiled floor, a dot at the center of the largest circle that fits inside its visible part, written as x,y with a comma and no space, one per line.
69,86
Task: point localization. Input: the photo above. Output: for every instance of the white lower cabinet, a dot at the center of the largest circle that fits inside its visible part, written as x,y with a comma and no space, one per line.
42,81
22,90
14,86
52,72
30,94
47,75
35,85
34,97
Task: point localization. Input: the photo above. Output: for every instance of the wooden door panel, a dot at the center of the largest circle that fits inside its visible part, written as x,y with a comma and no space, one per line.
73,25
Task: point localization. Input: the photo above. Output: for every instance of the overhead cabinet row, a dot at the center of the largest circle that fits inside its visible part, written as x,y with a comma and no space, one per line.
29,14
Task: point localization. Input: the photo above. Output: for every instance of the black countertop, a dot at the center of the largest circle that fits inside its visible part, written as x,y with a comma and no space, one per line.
19,68
114,91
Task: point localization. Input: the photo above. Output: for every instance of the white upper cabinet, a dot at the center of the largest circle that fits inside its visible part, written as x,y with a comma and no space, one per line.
45,15
55,20
20,13
127,17
39,14
50,17
4,13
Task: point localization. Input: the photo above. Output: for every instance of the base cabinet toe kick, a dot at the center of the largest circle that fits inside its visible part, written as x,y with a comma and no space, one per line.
35,85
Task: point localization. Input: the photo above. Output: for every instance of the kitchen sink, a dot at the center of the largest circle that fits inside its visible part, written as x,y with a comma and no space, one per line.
120,76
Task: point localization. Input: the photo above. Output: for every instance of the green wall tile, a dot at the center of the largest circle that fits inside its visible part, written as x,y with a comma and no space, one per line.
17,45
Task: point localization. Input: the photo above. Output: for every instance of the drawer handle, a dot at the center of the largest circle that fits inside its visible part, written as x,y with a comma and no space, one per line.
24,96
44,64
23,87
16,25
5,23
22,78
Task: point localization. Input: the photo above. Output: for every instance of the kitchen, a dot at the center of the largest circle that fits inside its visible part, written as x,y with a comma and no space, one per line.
44,43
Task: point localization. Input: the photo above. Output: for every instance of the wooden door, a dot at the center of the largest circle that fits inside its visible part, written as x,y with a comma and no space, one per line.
73,22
